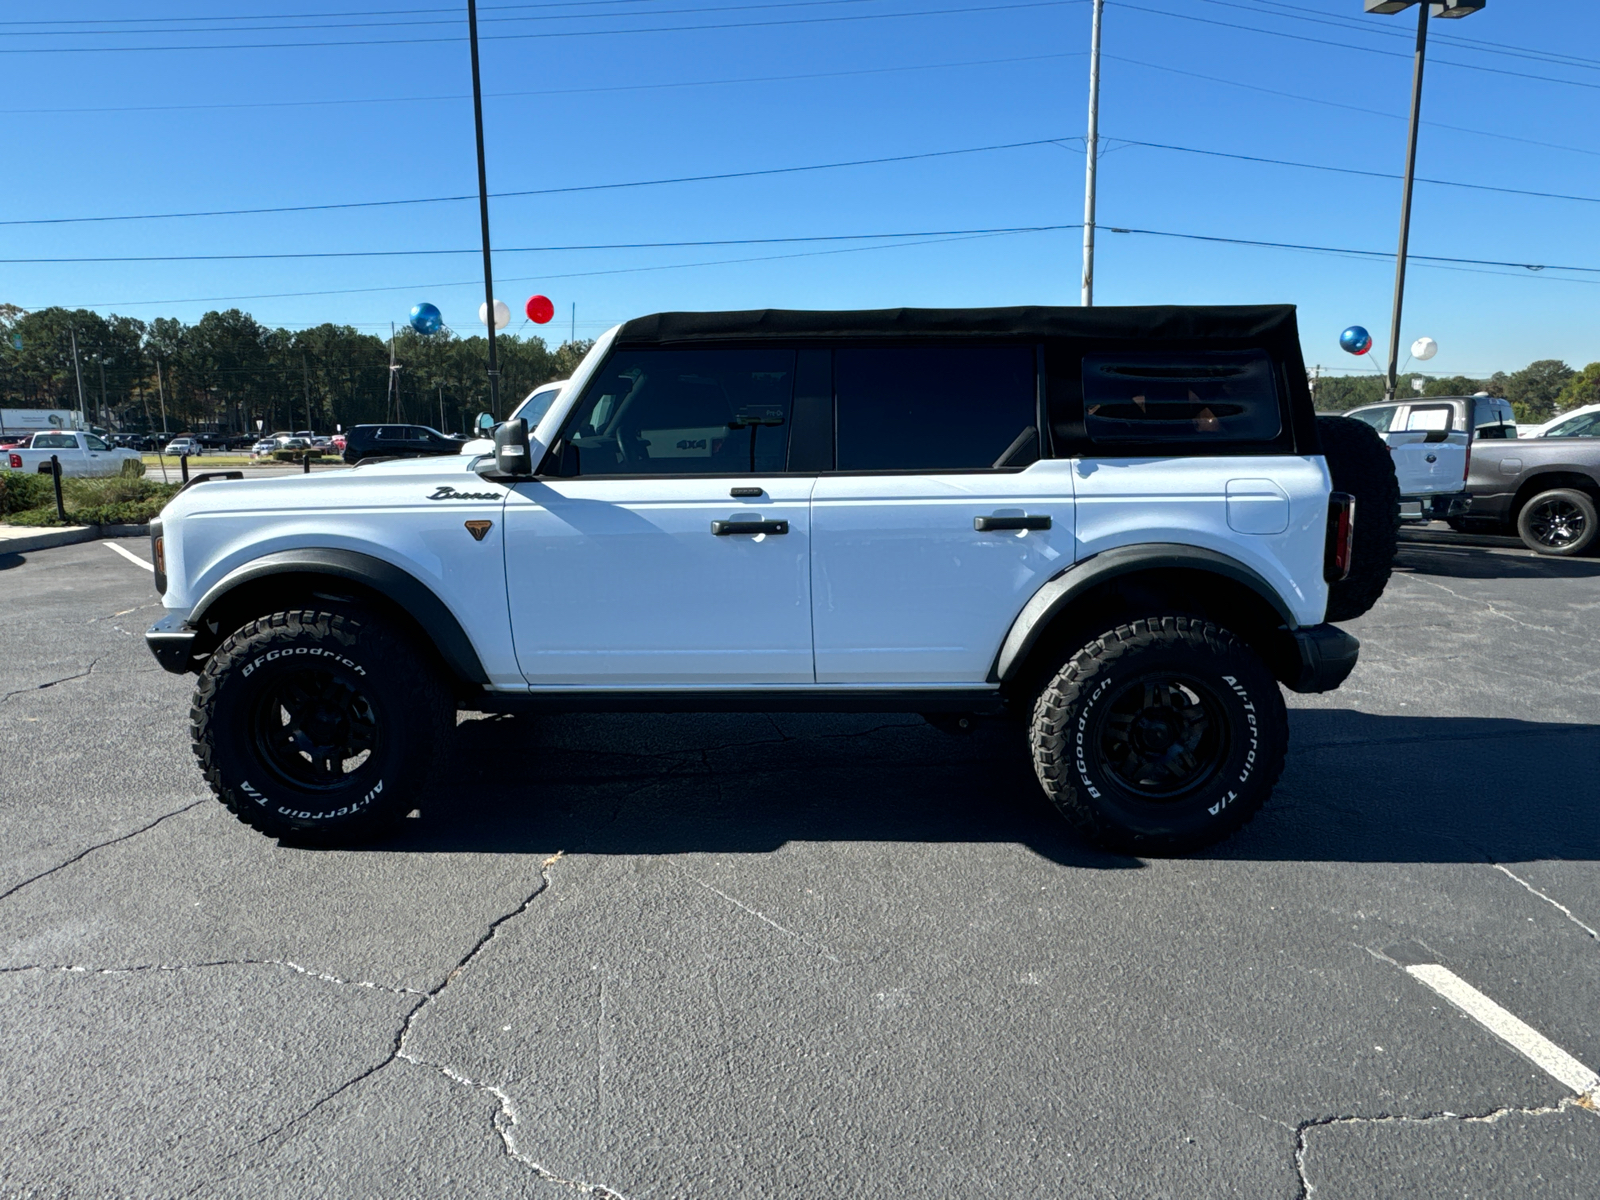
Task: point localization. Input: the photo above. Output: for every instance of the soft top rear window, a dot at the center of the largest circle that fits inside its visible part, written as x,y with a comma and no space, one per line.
1190,396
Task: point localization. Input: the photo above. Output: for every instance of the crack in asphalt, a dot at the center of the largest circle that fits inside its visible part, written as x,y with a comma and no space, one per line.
79,857
144,968
83,674
1553,903
506,1118
1308,1189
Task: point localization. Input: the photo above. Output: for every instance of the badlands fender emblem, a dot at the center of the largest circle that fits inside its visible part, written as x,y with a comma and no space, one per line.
446,492
478,528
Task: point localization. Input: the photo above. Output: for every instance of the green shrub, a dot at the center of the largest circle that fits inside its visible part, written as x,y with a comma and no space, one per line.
117,501
296,455
20,491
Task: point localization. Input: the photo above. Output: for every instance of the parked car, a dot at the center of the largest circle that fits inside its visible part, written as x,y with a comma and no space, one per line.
1118,526
398,441
1546,490
80,454
186,444
1579,422
1431,439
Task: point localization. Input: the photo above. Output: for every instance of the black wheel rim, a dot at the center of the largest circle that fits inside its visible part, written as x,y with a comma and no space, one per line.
315,729
1557,523
1162,737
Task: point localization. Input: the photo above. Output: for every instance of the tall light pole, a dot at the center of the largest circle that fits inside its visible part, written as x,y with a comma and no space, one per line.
483,209
1091,146
1451,8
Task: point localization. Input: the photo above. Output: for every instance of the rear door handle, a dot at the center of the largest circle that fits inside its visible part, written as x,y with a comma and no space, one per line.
1000,524
724,528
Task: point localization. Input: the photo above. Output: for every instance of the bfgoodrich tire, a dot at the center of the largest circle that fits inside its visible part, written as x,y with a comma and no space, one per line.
1360,463
1160,736
1561,521
320,726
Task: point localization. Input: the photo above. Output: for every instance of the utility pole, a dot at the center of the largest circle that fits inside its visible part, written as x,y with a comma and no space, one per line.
77,370
304,367
105,409
1091,147
483,209
573,336
162,390
1405,201
392,401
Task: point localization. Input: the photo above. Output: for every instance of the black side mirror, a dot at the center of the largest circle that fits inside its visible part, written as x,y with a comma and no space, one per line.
511,450
485,424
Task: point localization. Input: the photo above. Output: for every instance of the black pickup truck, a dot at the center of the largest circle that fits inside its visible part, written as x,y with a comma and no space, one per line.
1547,489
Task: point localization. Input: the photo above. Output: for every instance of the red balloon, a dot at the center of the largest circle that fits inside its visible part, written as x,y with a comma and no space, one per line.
540,309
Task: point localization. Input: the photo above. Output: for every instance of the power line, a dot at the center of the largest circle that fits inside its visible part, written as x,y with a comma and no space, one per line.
769,241
770,171
314,254
379,12
1301,37
452,21
1281,162
589,187
627,87
1376,112
937,12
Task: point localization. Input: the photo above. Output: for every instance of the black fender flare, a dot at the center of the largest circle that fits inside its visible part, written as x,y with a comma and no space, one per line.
1068,585
408,592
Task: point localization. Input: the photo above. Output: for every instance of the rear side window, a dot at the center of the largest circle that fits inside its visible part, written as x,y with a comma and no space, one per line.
936,408
1196,396
55,441
1430,418
683,412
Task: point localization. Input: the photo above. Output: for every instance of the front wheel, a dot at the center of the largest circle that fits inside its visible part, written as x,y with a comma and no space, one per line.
1160,736
1560,521
320,726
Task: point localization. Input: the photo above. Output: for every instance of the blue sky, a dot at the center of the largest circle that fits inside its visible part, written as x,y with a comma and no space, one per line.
573,100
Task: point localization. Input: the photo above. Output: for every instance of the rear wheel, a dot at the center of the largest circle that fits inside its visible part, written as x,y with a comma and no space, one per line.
1561,521
320,726
1161,736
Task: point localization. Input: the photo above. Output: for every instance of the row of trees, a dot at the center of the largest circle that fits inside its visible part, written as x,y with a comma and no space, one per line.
1538,392
227,371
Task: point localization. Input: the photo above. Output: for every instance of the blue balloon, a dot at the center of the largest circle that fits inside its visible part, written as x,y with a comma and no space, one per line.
426,318
1356,340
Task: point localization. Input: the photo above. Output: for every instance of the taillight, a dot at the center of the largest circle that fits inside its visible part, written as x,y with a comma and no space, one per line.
16,462
1341,536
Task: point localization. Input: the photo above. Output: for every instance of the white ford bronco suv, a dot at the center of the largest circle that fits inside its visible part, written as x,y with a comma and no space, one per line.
1117,525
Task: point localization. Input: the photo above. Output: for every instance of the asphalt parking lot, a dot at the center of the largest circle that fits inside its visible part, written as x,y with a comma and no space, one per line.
747,955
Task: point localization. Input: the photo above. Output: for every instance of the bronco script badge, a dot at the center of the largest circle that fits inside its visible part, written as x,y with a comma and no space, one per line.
478,528
446,492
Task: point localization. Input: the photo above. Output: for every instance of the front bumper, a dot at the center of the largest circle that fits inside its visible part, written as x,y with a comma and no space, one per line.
171,640
1327,656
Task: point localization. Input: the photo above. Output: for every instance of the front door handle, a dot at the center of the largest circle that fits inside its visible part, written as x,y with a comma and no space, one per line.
1000,524
724,528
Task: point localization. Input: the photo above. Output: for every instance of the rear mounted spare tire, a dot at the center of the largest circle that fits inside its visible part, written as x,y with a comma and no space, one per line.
1360,463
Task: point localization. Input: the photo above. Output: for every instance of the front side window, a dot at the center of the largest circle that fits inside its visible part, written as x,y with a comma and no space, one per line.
1586,425
1379,418
936,408
94,443
683,412
1181,397
535,406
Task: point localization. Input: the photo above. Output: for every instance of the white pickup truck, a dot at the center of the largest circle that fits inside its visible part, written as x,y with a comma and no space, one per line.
81,454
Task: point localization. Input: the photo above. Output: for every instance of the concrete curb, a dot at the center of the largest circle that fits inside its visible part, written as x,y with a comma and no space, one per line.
21,540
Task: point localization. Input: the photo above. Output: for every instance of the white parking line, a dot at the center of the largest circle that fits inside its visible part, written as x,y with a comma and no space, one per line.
130,556
1519,1035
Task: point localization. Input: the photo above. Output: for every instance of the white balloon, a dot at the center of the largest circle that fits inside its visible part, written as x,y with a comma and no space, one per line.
1424,348
502,314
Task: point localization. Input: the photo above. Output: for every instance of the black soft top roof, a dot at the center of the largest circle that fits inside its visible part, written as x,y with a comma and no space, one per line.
1189,323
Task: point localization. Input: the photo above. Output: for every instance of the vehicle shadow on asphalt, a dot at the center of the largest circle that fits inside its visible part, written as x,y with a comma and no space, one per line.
1456,561
1357,788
